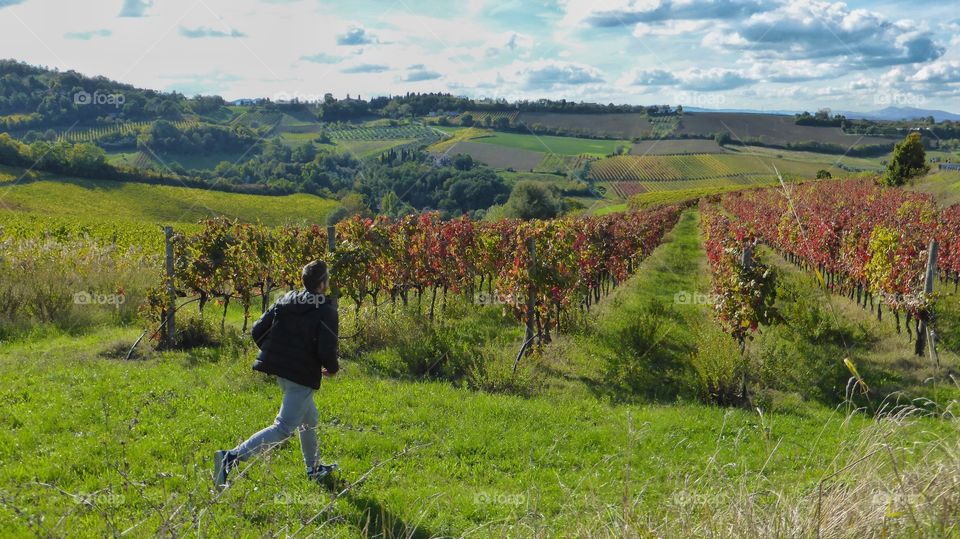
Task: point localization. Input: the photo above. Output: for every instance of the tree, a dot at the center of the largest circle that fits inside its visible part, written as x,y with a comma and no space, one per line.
723,138
824,174
356,204
463,162
909,160
392,206
305,153
322,137
338,214
534,200
466,120
474,190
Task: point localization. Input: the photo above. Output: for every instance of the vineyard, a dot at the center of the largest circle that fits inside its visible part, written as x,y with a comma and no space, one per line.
627,189
481,117
94,134
862,241
552,266
258,119
418,132
16,226
674,167
561,163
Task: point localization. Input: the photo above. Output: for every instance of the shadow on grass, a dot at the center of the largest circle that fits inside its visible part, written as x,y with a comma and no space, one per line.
375,521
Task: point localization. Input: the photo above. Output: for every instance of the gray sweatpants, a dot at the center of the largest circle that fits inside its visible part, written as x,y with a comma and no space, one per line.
298,412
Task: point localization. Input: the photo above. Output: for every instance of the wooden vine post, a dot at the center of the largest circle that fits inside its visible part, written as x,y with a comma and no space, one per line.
331,249
531,302
926,332
170,319
746,262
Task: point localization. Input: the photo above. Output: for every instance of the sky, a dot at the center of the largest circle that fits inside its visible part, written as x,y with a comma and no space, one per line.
732,54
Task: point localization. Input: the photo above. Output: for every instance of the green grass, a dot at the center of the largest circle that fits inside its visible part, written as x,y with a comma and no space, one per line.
539,143
66,197
536,176
204,160
557,145
140,435
362,149
189,161
943,186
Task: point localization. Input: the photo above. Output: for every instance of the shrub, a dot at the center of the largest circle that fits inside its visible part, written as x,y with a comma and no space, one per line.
646,360
70,285
721,369
403,343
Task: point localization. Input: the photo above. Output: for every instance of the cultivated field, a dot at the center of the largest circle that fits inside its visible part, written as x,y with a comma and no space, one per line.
497,156
622,126
769,128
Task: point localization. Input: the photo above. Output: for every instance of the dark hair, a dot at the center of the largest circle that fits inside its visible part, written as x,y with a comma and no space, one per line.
313,275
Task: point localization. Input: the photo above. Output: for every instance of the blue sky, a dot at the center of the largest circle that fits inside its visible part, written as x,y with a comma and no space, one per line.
754,54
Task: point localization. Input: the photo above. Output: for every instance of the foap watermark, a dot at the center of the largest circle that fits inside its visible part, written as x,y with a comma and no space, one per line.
704,100
685,498
896,499
899,99
684,297
297,97
103,499
96,298
499,498
305,299
291,498
84,97
495,298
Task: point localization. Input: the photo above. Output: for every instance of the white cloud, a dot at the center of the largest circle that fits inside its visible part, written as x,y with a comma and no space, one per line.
549,74
713,79
814,30
938,72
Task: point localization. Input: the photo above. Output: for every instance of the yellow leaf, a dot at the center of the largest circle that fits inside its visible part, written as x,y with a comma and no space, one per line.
851,367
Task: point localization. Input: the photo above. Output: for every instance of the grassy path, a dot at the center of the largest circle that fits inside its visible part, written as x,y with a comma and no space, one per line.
648,325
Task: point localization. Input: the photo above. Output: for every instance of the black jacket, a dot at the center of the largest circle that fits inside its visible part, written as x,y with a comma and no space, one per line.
298,336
